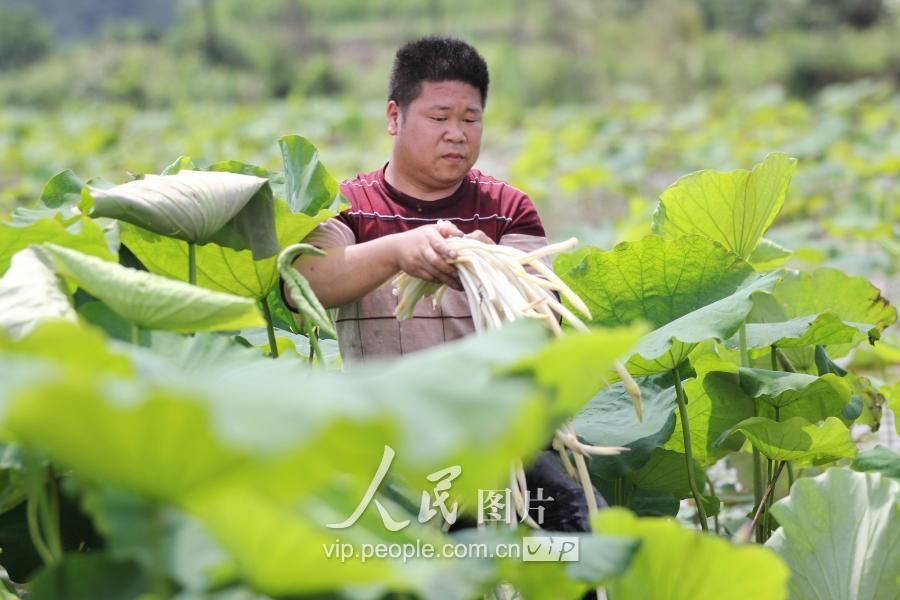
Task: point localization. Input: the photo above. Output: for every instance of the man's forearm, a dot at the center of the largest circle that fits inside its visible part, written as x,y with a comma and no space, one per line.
348,273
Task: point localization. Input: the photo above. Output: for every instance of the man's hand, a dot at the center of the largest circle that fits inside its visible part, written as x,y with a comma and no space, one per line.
423,253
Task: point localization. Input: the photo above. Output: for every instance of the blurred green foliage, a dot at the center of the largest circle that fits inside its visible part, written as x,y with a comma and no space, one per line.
24,38
161,54
594,107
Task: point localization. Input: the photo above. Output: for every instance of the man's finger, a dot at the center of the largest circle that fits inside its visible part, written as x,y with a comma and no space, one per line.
448,229
432,273
439,246
438,262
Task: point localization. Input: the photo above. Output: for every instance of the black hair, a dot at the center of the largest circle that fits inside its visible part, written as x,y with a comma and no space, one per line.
435,59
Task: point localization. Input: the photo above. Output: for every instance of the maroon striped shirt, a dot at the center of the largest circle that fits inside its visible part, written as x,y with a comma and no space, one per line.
367,328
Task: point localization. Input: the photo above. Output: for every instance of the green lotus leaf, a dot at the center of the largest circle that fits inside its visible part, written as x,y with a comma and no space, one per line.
299,536
715,404
655,279
261,416
823,329
578,365
826,307
53,342
769,255
609,420
839,535
219,268
667,347
30,293
734,208
153,302
665,566
852,298
796,394
79,233
798,440
690,289
230,209
251,424
135,529
90,575
269,541
63,189
880,459
666,471
309,187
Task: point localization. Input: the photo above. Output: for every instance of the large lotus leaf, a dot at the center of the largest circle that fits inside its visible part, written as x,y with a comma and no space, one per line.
270,541
796,394
854,299
798,440
665,348
255,452
840,534
609,420
826,307
577,365
825,329
158,537
716,403
220,268
54,341
196,206
261,423
151,301
250,430
655,280
734,208
665,566
689,288
152,442
82,234
308,185
650,504
30,293
666,471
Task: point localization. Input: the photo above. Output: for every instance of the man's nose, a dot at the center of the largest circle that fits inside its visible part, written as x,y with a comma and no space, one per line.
454,132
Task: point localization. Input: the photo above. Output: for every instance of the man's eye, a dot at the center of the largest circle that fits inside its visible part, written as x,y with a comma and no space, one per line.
471,120
438,118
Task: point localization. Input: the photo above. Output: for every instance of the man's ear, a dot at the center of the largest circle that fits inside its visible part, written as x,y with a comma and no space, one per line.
393,117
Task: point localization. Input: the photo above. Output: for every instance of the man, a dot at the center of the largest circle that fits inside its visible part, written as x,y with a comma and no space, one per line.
437,95
438,89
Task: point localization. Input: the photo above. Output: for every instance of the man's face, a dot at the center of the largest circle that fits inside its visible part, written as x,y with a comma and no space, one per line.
437,138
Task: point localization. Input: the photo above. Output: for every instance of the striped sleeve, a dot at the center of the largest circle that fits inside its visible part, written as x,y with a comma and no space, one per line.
525,219
332,233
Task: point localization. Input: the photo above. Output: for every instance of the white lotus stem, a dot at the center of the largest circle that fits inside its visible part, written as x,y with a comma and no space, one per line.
497,286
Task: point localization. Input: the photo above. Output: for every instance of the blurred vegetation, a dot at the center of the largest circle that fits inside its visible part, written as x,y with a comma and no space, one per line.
594,107
24,38
160,54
